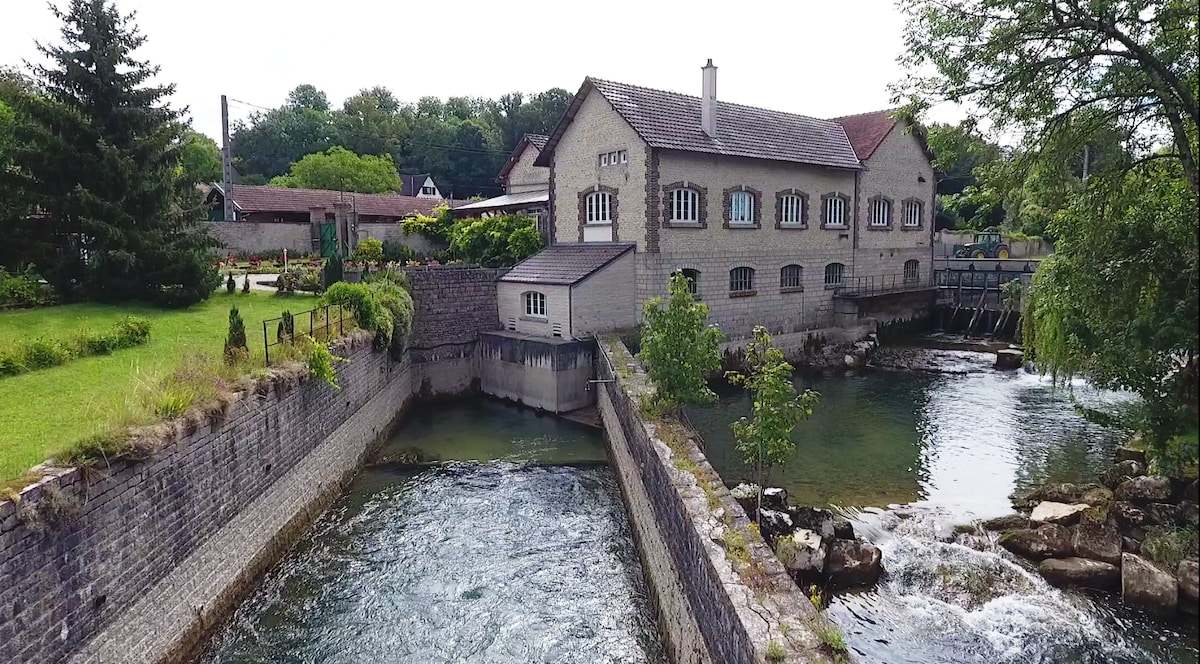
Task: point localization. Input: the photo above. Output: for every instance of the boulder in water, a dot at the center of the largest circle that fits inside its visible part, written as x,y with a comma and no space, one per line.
775,498
1145,586
1192,491
811,518
853,563
1188,575
1131,545
1097,540
1079,572
802,552
1114,475
1145,489
1187,514
1007,522
843,529
1048,541
1130,454
1009,358
1064,492
1097,496
1051,512
774,523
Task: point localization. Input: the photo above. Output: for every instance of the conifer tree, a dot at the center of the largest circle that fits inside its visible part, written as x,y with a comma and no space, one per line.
101,163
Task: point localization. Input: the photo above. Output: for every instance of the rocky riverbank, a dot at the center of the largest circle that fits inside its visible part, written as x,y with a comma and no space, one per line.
1130,532
815,547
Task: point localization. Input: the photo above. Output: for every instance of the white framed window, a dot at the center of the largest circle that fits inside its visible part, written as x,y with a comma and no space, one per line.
835,211
612,158
428,191
598,208
791,209
624,156
881,212
912,271
834,273
540,219
741,280
791,277
535,304
604,159
741,208
684,205
912,213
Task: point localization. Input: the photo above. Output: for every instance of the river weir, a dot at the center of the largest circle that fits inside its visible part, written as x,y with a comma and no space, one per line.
912,453
513,547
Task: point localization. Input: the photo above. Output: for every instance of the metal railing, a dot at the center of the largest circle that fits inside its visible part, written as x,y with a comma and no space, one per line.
885,283
320,323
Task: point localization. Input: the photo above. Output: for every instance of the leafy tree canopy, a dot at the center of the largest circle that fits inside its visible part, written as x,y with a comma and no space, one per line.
500,241
341,170
679,347
199,159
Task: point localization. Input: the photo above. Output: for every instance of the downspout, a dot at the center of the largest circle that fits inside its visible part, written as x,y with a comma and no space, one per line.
854,231
570,312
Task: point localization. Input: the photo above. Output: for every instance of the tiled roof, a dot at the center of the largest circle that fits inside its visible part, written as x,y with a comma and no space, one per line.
279,199
670,120
537,140
866,131
522,198
566,264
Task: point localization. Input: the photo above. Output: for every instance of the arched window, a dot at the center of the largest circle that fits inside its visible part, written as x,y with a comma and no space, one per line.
683,205
741,207
834,273
599,208
881,212
741,280
791,277
912,213
535,304
693,279
912,271
791,210
834,210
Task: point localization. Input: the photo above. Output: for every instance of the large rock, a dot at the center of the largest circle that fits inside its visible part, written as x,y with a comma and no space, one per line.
1007,522
1009,358
1097,540
775,498
1146,586
746,495
1192,491
773,523
1079,572
1097,496
1187,514
1131,545
1145,489
1188,575
1130,454
843,529
1117,473
811,518
1064,492
802,552
1048,541
1127,515
1159,514
1051,512
852,563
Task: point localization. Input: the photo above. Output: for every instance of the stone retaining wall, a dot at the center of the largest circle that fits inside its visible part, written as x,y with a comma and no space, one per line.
138,562
711,608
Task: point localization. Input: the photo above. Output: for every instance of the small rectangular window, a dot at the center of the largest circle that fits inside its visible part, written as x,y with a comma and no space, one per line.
791,210
612,158
624,157
741,208
604,159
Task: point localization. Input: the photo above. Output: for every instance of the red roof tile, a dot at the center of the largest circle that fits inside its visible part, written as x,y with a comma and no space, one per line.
252,198
866,131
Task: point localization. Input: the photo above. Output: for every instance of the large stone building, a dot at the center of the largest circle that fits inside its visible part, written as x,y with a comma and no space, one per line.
526,186
773,216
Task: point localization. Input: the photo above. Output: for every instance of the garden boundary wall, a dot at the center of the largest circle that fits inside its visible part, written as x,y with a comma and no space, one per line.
708,610
140,561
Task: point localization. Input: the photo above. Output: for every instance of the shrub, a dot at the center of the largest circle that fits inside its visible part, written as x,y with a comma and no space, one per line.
45,353
369,250
381,306
1167,546
399,303
333,271
12,361
397,252
230,284
235,341
24,289
499,241
286,330
20,357
436,228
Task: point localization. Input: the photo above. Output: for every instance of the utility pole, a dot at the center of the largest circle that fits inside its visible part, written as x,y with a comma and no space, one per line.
1086,159
226,160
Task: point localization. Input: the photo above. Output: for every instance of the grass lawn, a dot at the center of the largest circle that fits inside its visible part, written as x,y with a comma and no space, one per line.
44,411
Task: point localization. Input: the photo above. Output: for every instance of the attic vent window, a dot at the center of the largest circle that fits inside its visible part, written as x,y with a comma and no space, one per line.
427,191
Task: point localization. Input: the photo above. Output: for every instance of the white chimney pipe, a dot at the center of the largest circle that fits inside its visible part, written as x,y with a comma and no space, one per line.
708,102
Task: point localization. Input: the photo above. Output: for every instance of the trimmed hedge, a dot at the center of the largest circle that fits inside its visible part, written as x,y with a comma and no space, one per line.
24,356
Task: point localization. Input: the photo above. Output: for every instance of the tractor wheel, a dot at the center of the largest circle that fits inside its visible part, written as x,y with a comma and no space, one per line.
979,253
1002,252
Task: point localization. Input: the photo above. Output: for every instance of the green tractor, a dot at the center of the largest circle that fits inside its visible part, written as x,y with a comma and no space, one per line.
986,245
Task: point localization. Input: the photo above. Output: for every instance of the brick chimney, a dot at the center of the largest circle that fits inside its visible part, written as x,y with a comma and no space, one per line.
708,101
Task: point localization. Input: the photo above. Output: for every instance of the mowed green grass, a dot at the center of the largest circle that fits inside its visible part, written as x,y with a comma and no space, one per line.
42,412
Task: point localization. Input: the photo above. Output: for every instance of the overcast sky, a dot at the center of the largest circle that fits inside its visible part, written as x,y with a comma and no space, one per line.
816,58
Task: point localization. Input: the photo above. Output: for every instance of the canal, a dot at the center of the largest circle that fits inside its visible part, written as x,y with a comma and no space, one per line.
513,546
907,456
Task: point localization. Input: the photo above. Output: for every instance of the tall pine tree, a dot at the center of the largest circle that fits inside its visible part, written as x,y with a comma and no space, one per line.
101,163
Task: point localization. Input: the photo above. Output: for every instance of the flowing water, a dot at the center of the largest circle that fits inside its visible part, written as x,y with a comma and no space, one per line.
514,549
907,456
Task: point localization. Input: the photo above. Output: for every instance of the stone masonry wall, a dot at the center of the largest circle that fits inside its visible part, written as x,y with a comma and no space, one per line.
138,561
707,612
452,304
250,236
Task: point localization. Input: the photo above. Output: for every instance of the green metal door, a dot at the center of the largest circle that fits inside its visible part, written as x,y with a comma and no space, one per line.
328,240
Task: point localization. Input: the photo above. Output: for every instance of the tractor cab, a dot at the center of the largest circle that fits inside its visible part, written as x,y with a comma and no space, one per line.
988,244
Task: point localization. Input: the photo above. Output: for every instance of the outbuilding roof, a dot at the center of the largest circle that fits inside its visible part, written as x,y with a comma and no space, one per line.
866,131
670,120
254,198
566,264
